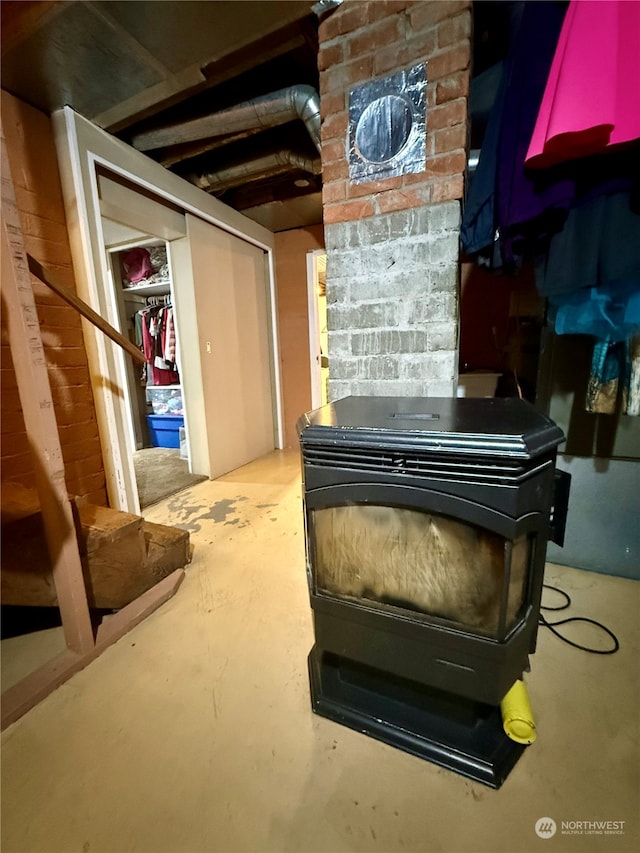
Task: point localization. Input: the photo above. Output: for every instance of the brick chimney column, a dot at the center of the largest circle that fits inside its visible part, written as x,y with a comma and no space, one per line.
393,244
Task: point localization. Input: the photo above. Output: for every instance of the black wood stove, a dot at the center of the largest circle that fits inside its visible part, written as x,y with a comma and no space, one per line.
426,525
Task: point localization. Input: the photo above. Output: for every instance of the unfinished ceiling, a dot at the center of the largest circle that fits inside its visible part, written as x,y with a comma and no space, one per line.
222,93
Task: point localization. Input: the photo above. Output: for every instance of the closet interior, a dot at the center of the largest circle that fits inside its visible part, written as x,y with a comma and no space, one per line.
144,290
148,306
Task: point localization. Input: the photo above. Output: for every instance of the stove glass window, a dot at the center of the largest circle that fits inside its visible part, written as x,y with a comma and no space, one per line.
422,562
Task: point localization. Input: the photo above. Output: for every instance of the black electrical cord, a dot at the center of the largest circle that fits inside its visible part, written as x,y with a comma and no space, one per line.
552,625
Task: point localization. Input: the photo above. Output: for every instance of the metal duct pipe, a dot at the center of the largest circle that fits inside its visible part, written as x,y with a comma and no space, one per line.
257,114
260,167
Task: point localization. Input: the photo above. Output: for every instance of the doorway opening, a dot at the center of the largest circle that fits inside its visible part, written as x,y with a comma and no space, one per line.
318,327
226,329
140,271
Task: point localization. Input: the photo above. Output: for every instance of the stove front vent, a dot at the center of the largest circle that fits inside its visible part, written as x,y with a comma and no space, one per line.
491,471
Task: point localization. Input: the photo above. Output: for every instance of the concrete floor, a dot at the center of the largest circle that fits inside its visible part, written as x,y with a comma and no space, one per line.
194,732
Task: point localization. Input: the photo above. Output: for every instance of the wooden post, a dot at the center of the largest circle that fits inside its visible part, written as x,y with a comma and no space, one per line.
42,430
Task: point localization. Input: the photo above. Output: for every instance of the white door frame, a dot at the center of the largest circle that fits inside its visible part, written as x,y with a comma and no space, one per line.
315,353
81,148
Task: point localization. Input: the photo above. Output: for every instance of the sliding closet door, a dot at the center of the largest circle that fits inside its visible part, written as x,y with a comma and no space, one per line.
233,323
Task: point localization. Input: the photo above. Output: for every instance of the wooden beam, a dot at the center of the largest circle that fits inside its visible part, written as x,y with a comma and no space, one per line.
116,626
40,423
26,694
198,78
48,277
21,21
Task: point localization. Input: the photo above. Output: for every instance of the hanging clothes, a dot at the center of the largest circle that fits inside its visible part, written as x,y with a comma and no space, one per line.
592,98
478,228
633,403
505,201
578,213
598,247
610,378
170,336
154,328
529,207
517,207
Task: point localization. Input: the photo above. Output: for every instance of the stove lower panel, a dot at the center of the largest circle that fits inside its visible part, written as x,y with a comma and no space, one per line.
452,662
452,732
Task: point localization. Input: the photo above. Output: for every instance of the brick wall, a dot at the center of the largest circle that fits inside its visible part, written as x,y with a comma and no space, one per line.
392,245
34,170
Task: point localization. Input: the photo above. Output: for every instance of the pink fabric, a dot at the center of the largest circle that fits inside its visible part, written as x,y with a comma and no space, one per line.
592,97
170,339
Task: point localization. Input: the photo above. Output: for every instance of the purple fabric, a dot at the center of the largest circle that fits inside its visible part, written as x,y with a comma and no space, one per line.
529,206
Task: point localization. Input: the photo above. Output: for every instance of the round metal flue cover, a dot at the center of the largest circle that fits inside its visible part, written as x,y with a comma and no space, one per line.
387,126
384,129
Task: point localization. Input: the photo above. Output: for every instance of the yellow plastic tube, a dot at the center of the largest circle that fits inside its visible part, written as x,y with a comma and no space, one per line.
517,717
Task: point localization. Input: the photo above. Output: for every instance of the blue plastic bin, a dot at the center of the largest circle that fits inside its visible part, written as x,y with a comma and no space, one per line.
165,430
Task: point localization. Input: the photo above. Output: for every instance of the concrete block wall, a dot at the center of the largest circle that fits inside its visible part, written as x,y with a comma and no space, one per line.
34,171
393,245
